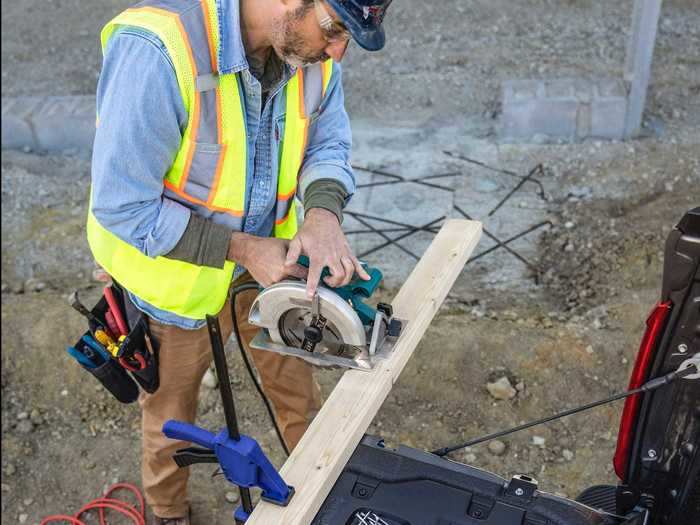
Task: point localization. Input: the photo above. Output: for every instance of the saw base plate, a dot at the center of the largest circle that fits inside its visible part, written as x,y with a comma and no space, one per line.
357,358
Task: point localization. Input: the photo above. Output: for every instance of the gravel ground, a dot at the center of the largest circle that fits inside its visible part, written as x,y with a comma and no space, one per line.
566,340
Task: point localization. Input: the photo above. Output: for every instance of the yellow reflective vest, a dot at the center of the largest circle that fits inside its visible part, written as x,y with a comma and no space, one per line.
209,172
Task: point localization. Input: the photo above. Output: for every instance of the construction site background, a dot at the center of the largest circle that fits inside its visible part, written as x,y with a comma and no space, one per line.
559,312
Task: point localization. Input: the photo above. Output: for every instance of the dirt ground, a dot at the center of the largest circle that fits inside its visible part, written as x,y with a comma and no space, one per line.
565,339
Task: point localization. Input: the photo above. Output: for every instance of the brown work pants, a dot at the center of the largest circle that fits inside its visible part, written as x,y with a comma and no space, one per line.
184,358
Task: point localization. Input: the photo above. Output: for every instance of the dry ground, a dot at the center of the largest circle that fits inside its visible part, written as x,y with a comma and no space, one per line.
569,339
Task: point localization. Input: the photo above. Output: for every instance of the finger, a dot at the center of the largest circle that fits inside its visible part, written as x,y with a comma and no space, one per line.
337,275
349,268
293,252
314,276
298,271
360,270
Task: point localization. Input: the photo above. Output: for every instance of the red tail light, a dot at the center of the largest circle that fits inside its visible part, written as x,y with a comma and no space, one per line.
640,373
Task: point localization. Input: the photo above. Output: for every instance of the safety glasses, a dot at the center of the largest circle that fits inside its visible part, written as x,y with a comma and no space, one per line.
333,30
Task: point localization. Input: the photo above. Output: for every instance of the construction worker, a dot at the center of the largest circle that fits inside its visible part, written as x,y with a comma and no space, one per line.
213,115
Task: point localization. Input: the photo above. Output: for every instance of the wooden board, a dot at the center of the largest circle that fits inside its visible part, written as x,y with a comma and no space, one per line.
319,458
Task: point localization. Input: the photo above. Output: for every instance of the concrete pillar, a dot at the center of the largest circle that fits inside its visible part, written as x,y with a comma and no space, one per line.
640,51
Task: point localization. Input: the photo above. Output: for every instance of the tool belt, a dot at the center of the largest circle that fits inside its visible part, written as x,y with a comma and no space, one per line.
117,348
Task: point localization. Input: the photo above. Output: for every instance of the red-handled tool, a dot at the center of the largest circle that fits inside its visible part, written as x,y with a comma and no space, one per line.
116,312
133,368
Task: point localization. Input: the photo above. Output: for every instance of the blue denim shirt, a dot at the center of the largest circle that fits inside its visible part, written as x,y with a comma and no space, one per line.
141,122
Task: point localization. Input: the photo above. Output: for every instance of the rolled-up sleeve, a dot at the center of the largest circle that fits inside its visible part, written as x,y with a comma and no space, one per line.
330,141
140,121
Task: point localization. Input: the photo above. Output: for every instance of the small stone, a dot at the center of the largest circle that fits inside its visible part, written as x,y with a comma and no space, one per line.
23,518
568,455
18,288
34,285
10,469
5,288
25,426
589,349
210,380
6,487
501,389
568,225
35,417
538,441
497,448
22,415
90,465
64,392
569,247
469,458
520,386
624,361
27,502
232,497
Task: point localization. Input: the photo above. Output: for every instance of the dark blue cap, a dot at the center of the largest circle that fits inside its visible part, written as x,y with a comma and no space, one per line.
363,18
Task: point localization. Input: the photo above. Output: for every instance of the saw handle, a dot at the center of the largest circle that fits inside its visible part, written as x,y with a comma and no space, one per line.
357,286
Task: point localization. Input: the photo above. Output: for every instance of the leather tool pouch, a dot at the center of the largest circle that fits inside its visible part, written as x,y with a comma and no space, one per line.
123,384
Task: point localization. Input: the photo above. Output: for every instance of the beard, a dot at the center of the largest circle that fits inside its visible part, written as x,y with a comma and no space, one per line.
290,45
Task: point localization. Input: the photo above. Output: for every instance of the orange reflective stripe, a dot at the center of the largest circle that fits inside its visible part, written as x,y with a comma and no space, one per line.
194,200
283,220
288,196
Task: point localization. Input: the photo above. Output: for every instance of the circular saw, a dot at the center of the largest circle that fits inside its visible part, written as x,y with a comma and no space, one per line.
335,328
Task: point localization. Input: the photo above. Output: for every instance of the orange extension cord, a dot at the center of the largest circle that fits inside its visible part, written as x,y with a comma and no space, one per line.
137,516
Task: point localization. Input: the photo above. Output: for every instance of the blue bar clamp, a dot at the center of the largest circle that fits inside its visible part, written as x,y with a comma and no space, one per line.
240,457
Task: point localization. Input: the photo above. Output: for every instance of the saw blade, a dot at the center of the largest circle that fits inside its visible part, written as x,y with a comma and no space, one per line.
285,310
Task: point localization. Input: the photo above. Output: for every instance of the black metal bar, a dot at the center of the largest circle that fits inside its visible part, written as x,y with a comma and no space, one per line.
508,241
356,214
388,239
217,348
500,243
399,178
536,169
401,237
650,385
541,193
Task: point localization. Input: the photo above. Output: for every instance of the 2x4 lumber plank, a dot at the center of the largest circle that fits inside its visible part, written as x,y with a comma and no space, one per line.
319,458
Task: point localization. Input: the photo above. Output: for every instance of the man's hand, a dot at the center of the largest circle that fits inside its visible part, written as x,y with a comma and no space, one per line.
264,258
323,241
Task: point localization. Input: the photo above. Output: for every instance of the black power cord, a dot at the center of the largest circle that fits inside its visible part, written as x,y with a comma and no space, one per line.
646,387
234,292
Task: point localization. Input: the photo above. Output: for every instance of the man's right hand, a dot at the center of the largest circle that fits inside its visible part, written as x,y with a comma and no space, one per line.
264,258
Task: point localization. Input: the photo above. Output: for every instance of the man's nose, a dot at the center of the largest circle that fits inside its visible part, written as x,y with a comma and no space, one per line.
336,50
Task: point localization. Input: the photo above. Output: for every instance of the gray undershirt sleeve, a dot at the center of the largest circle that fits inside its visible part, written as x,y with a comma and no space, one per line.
203,243
328,194
206,243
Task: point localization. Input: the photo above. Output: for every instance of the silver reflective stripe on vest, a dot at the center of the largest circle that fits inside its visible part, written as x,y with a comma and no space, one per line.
226,219
313,89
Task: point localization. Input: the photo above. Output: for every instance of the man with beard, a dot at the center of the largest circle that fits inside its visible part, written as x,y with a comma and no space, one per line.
213,116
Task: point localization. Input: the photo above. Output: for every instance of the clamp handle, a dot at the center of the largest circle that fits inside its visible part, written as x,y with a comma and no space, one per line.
188,432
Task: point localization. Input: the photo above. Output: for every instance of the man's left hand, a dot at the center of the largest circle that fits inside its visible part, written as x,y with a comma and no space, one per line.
323,241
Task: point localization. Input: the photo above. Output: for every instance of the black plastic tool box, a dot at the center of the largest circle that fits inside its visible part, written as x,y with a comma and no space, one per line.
381,486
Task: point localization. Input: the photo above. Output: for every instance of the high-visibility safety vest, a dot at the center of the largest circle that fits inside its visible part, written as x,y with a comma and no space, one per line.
209,172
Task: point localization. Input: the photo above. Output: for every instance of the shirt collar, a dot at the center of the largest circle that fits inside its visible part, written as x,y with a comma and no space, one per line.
231,51
232,57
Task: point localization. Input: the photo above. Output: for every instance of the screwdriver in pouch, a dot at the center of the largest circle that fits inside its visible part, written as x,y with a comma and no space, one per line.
80,308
